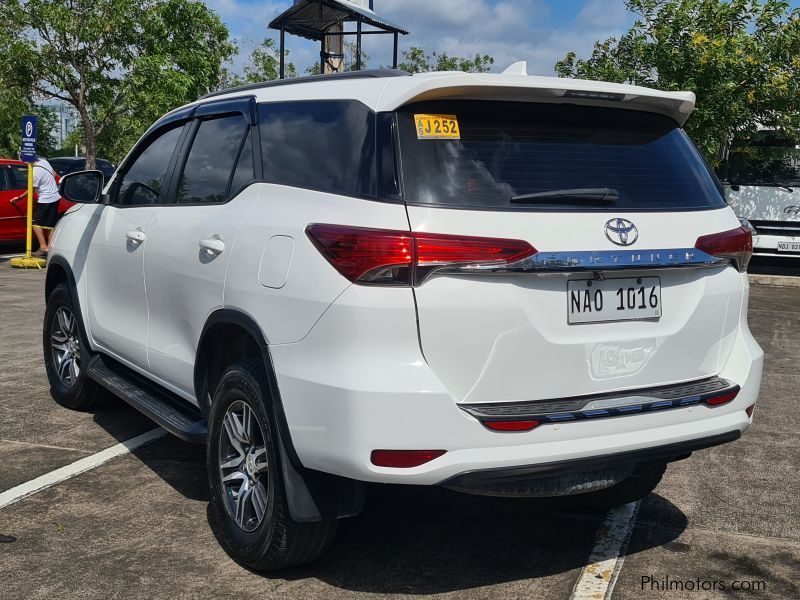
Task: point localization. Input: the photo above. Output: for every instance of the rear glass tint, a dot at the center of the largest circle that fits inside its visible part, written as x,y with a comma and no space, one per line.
512,149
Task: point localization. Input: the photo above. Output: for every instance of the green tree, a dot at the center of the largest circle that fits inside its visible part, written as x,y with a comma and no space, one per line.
415,60
741,58
120,63
48,123
264,63
75,138
14,104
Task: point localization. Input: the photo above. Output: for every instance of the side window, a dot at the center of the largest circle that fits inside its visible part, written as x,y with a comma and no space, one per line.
142,182
5,184
322,145
210,161
18,177
244,172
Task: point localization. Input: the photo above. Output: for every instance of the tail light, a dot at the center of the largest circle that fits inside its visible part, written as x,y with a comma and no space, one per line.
387,257
736,245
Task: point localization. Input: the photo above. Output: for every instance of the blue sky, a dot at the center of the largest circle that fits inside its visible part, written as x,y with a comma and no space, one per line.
539,31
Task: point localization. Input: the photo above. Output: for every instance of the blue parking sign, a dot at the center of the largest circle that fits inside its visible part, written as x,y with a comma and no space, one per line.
28,138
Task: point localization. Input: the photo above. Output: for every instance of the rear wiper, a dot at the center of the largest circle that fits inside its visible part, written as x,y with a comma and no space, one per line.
602,195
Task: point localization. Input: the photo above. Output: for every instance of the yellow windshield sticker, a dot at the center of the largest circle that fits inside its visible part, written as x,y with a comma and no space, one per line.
437,127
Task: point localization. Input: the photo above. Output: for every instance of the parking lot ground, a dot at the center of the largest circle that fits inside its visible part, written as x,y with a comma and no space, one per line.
739,501
136,527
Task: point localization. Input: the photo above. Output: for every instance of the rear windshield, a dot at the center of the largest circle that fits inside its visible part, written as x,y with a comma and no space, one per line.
569,156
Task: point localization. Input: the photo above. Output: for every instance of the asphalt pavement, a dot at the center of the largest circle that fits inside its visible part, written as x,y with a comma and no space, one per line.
136,526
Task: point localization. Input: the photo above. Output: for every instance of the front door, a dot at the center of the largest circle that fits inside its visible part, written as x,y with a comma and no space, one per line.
115,265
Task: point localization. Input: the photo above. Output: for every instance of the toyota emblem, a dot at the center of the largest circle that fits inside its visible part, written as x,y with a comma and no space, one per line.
621,232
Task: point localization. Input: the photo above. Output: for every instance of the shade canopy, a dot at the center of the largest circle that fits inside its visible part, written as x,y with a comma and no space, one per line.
316,20
312,19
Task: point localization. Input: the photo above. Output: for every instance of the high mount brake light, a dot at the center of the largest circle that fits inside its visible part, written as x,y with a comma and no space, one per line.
388,257
736,245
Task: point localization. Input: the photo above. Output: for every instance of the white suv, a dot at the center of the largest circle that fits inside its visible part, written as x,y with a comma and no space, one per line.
499,284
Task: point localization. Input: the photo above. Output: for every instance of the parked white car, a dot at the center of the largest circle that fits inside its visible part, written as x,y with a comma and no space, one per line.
499,284
762,185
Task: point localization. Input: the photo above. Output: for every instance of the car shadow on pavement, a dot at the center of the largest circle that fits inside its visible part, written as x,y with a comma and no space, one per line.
179,464
424,540
429,540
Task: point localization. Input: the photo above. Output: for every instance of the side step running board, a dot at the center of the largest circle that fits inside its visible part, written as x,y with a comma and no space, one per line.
169,411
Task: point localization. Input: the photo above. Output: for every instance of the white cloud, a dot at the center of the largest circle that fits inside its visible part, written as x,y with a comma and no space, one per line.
509,30
601,14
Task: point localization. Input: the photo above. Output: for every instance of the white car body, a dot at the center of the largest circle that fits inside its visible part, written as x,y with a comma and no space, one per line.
361,368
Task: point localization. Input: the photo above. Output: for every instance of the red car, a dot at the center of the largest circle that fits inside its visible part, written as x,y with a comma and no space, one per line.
13,182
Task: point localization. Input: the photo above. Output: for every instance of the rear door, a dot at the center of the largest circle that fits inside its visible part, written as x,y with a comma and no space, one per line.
12,216
190,241
592,190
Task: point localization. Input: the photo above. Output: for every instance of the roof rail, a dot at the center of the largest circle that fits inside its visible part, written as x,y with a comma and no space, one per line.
368,74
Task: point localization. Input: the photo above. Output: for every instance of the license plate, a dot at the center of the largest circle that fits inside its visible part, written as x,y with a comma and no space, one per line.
788,246
630,299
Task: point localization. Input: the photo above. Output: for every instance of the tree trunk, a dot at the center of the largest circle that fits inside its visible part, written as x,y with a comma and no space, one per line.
89,137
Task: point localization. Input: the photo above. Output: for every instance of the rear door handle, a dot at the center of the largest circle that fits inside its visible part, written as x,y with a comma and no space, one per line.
137,236
213,246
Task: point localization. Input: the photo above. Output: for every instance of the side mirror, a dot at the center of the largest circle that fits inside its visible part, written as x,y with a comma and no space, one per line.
85,187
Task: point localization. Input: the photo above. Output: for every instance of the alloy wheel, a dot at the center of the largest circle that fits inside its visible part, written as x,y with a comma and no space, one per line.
243,466
65,346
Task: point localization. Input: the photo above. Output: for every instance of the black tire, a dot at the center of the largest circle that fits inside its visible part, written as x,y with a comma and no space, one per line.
69,387
644,480
272,541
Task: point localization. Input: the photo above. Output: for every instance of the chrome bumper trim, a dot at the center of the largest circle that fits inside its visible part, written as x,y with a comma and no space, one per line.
603,405
605,260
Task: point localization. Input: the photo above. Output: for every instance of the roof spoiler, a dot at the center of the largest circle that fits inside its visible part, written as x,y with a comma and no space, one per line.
514,85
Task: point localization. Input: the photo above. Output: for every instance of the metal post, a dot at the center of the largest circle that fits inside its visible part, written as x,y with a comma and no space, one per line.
358,47
28,240
322,56
282,72
394,62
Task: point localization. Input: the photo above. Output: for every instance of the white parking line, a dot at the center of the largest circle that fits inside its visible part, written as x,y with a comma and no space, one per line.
79,466
599,576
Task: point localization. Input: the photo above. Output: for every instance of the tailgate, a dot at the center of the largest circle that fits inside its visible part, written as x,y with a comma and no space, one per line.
506,336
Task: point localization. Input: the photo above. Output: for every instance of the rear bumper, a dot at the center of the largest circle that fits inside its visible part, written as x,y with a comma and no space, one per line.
667,452
359,382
